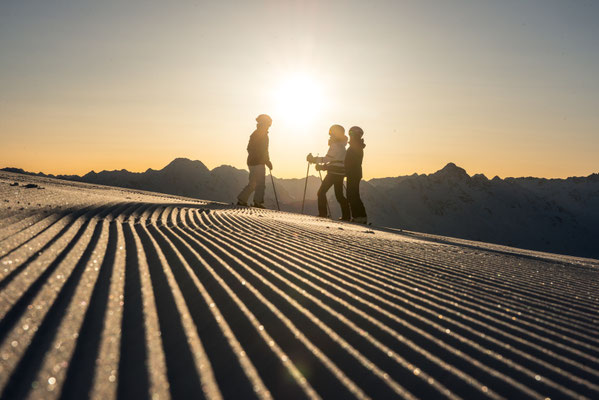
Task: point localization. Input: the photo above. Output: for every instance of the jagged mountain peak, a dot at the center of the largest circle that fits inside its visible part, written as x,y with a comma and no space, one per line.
451,171
181,164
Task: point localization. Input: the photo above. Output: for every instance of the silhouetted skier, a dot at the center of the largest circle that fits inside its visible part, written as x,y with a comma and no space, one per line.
353,171
334,165
258,158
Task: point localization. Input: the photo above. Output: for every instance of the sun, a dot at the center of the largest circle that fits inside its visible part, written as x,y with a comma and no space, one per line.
299,99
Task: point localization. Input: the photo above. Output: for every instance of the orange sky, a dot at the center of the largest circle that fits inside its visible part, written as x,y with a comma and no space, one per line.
500,89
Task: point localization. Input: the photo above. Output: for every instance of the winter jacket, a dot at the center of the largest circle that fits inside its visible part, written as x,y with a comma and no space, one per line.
335,157
353,159
258,148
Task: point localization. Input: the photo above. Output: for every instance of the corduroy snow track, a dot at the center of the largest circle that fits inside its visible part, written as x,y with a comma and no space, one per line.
111,293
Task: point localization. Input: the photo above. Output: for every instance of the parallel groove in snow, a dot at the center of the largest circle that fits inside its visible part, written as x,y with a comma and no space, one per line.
373,307
133,299
378,345
441,290
574,378
432,283
333,336
444,266
264,305
520,331
479,315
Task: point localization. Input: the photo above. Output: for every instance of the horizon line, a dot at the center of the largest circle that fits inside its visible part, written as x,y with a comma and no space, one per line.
245,169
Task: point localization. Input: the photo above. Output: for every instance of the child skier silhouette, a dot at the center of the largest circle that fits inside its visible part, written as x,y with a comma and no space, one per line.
333,163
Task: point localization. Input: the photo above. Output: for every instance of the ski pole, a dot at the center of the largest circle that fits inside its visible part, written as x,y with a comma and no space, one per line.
274,189
327,200
305,187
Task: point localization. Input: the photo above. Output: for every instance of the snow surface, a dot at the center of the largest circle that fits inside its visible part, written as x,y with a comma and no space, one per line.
108,292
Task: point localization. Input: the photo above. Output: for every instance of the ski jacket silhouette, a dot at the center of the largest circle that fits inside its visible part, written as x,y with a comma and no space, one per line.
353,158
258,148
353,171
334,159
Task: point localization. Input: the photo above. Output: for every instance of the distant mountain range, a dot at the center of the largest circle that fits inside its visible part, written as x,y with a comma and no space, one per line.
554,215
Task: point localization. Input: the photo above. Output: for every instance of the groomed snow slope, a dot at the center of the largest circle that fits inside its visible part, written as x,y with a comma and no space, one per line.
108,293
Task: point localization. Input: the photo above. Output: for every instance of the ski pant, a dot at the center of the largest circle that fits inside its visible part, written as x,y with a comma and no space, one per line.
336,181
256,183
353,196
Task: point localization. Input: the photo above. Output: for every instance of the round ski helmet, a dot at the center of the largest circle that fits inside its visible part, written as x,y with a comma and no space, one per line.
264,119
336,131
356,131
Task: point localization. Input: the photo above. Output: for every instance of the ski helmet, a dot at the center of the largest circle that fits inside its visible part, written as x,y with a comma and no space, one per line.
264,119
337,131
356,131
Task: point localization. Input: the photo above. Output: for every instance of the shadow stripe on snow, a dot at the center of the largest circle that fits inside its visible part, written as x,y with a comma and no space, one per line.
506,321
17,263
26,290
541,351
264,353
350,331
25,371
493,360
372,250
180,367
442,269
19,226
27,234
220,353
133,380
444,309
411,345
35,252
279,323
226,348
82,366
327,342
396,278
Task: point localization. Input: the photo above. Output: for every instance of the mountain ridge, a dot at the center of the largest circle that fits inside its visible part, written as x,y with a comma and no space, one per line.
546,214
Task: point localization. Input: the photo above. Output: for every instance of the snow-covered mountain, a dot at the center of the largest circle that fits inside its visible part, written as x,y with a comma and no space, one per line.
555,215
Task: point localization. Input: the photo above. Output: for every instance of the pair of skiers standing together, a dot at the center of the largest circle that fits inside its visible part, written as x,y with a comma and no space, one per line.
338,162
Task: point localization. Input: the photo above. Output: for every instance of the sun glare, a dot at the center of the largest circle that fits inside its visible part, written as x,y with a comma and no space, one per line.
298,100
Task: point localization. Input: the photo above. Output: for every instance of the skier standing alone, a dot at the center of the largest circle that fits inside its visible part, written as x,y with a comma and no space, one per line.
353,171
334,165
258,158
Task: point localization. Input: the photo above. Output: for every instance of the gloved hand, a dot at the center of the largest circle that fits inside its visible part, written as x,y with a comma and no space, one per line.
310,158
321,167
269,164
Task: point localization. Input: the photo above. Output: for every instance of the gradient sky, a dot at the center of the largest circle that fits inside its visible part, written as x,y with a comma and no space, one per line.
508,88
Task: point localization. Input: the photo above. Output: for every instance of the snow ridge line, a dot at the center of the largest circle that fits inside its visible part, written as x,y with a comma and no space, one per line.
139,299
